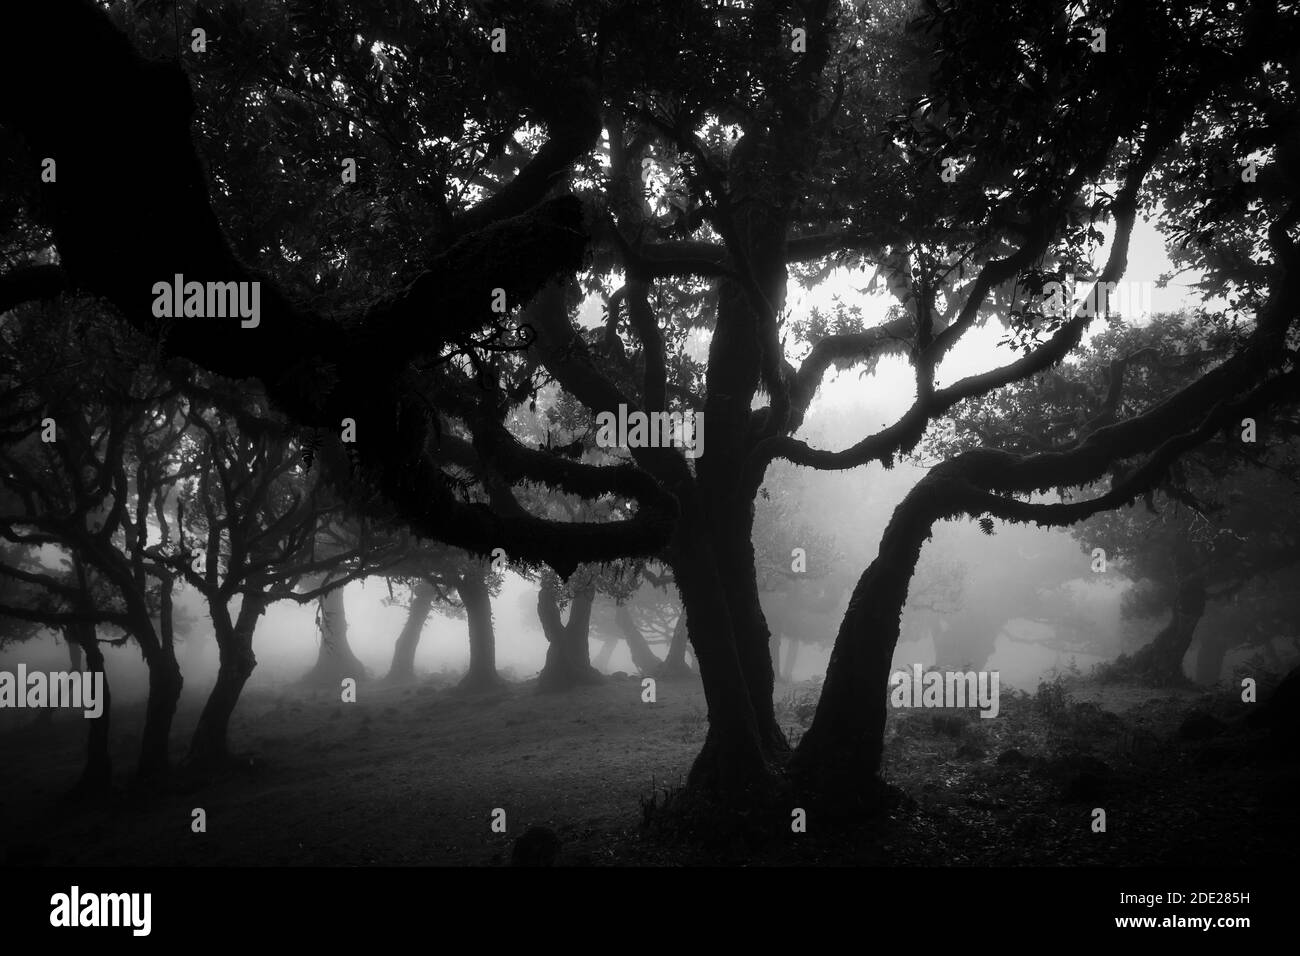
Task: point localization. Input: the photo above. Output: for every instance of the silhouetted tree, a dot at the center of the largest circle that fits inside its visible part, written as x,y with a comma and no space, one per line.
1218,517
969,158
95,443
250,526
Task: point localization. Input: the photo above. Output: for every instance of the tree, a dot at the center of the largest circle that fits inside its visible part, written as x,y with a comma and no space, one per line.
568,658
1223,520
643,658
423,593
568,654
732,159
1216,520
1213,533
476,584
999,482
644,611
250,527
335,659
93,447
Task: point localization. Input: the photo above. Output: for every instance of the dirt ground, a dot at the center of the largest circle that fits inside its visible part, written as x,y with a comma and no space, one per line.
411,776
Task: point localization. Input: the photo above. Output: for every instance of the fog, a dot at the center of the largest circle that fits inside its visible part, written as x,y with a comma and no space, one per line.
852,505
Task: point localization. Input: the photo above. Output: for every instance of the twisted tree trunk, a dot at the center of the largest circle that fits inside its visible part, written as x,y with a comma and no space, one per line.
165,684
839,757
568,661
734,542
601,663
209,747
732,765
403,667
97,775
674,664
642,657
712,555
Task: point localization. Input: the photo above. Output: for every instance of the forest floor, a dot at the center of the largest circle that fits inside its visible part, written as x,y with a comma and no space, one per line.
412,775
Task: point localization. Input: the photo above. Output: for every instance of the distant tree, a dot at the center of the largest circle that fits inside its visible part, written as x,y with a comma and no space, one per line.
1228,517
568,652
434,576
248,526
460,585
647,615
561,427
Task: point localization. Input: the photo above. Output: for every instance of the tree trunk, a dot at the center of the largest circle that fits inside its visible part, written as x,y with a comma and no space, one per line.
732,764
477,598
568,660
791,655
209,747
335,660
74,649
735,549
1161,661
97,774
601,663
403,669
1209,658
165,684
839,757
675,664
642,657
718,578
